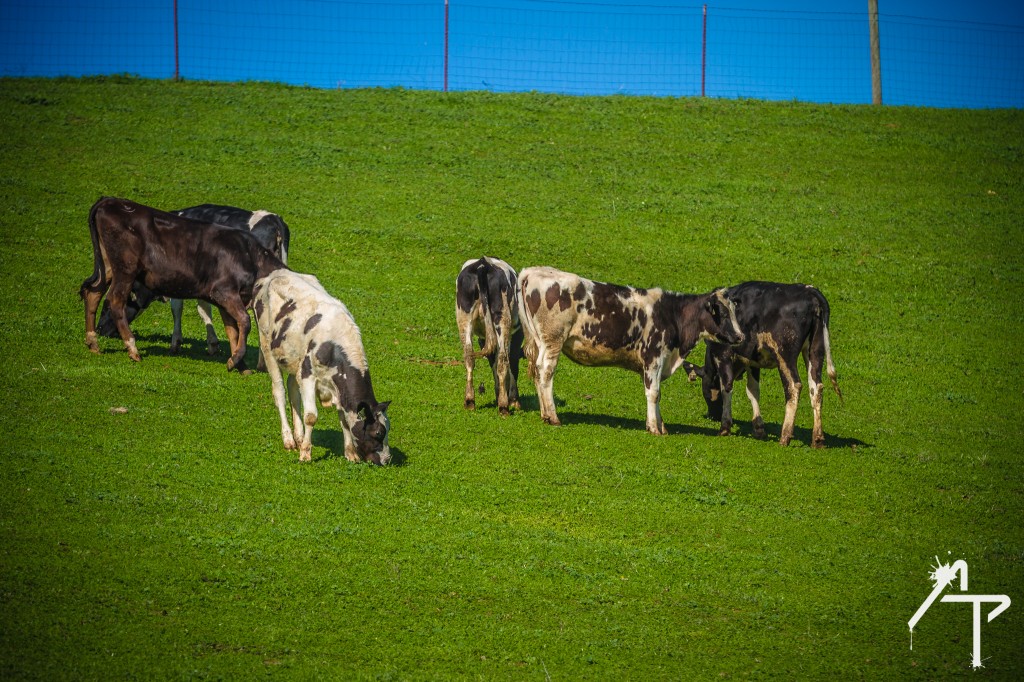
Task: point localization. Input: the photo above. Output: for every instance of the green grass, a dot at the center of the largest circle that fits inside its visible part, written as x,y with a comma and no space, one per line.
180,539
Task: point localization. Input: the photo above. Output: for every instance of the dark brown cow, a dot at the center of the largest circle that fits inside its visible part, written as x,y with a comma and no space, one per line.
174,257
648,331
780,321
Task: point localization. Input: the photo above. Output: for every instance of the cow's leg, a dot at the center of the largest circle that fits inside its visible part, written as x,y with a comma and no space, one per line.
726,379
237,325
814,355
92,299
176,306
652,386
499,368
307,390
277,387
790,372
212,343
118,297
347,418
547,363
514,355
298,425
466,338
754,394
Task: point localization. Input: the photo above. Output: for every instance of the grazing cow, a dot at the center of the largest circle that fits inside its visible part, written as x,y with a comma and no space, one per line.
312,337
487,306
175,257
649,331
268,228
779,321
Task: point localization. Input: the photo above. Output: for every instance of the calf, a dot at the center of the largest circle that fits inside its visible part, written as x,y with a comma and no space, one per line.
175,257
648,331
268,228
779,321
313,338
487,306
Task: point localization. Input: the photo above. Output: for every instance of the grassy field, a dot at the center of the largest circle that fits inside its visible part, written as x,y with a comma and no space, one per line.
179,539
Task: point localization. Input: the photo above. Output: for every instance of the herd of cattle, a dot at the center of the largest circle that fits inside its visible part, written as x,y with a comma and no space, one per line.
237,260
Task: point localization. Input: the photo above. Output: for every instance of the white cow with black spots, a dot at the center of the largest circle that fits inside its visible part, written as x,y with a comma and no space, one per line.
648,331
311,336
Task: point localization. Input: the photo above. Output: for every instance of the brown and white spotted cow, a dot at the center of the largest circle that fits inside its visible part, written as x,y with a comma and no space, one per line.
175,257
487,306
780,321
311,336
648,331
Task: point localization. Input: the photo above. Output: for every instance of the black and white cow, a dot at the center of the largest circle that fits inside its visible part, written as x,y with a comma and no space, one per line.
269,230
779,322
311,336
487,306
649,331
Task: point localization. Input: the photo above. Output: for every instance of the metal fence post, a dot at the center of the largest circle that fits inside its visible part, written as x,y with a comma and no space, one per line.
876,54
704,52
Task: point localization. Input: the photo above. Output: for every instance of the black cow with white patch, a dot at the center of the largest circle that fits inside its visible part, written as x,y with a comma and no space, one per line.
311,336
648,331
779,323
487,306
270,231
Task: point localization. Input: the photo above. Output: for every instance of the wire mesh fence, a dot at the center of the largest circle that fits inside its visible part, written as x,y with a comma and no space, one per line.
583,48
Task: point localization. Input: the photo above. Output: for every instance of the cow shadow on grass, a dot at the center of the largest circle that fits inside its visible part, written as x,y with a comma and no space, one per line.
801,434
159,345
333,440
569,418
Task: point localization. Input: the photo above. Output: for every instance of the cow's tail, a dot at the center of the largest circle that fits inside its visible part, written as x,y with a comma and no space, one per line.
830,367
97,281
490,334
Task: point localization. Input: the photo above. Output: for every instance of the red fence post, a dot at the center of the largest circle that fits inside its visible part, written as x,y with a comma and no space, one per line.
445,45
703,51
177,74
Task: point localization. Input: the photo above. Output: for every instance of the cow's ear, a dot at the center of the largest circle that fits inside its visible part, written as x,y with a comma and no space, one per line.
382,407
709,306
364,411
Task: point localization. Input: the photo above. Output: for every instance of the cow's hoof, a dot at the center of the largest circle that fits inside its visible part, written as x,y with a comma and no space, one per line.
553,421
818,443
174,349
784,441
759,434
212,350
503,411
93,348
515,405
724,431
306,455
470,404
135,357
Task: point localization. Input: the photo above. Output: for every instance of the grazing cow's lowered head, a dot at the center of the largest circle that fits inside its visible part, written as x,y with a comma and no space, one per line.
312,337
780,322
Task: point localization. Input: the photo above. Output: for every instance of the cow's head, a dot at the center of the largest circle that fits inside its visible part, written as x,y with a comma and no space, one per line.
720,324
710,385
371,432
